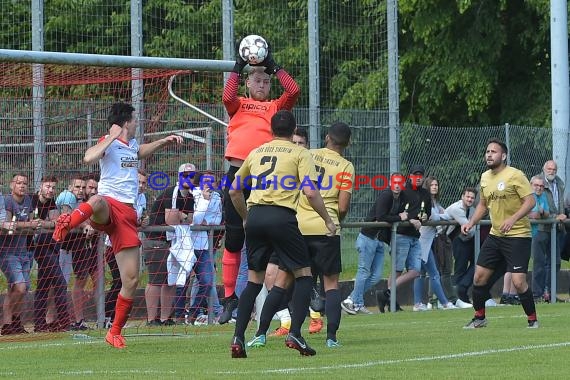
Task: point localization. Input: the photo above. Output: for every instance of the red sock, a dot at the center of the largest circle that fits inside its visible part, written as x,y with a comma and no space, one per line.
532,317
480,314
122,311
230,269
80,214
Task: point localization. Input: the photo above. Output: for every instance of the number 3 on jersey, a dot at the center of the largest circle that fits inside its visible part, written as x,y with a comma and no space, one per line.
262,182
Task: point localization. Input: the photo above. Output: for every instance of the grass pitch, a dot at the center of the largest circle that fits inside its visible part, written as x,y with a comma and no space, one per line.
407,345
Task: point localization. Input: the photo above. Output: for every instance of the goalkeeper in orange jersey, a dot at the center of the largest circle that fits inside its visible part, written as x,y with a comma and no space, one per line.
249,127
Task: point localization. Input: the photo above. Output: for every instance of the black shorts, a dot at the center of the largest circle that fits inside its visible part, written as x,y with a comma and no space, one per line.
84,261
324,252
274,229
235,236
155,254
274,259
512,251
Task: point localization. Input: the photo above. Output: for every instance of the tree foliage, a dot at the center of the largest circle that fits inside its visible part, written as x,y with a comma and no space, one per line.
474,61
461,61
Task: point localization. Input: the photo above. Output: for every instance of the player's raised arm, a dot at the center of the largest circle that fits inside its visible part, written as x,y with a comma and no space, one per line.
96,152
146,150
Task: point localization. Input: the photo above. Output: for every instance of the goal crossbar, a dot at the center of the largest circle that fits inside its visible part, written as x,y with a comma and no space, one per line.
48,57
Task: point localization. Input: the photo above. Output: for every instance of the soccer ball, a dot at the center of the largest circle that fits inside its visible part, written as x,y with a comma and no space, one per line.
253,49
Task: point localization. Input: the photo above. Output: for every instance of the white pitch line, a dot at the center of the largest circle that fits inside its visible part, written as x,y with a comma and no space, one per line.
117,372
398,361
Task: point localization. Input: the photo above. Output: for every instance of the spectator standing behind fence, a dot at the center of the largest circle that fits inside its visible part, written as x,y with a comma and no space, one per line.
429,263
173,206
112,210
46,254
248,128
463,246
370,244
15,259
207,211
540,239
67,201
84,260
554,189
408,251
507,196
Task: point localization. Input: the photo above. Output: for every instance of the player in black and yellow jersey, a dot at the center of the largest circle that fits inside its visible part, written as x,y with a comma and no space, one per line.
507,195
277,170
324,250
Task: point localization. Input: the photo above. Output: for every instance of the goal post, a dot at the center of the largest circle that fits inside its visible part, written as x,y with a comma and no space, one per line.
76,93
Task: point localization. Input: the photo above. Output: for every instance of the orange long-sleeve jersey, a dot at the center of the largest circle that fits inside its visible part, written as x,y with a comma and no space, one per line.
250,120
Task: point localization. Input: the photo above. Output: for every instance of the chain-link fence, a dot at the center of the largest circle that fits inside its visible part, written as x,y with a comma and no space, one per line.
455,155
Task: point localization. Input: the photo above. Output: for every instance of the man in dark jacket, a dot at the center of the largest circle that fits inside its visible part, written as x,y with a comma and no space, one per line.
389,207
408,250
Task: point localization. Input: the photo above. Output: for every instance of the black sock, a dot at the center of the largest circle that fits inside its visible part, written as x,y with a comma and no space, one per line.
271,306
527,302
332,311
480,295
245,307
301,300
287,297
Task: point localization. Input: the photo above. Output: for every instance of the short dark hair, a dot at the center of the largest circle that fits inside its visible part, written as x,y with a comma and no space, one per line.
76,176
283,124
340,133
503,146
143,173
302,132
120,113
469,189
49,178
93,176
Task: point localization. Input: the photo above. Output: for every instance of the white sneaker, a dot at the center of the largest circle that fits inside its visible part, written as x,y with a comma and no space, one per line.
490,303
348,306
362,310
462,305
449,306
419,307
429,306
201,320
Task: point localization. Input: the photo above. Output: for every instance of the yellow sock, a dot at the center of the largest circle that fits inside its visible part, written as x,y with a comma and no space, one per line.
286,324
314,314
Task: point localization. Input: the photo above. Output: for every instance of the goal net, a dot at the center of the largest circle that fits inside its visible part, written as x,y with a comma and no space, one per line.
50,115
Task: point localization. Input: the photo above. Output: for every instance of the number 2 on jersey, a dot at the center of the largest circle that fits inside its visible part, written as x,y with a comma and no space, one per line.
262,183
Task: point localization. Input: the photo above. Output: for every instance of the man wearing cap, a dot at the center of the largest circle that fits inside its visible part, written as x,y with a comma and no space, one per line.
173,206
417,204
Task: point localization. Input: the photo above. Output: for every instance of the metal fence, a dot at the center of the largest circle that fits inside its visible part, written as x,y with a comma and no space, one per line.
453,154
